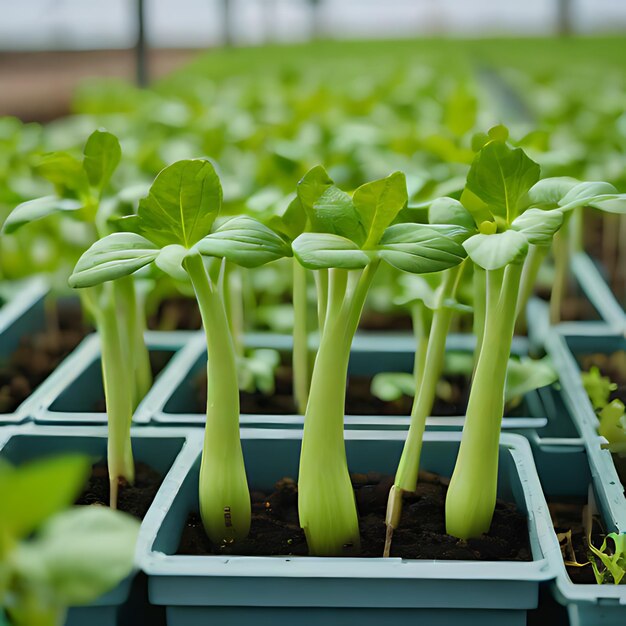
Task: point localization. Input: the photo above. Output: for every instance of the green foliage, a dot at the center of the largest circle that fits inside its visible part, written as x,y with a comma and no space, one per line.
598,387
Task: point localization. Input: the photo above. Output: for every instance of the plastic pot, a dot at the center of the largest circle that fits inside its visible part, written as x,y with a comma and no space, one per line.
77,385
21,316
368,591
170,451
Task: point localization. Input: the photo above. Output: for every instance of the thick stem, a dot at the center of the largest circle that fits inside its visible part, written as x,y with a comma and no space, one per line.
422,319
224,496
472,492
479,281
326,502
233,302
321,283
561,253
118,395
301,375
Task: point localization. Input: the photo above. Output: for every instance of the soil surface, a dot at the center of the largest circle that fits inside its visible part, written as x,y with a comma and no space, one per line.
37,356
158,360
133,499
359,399
377,321
574,308
421,535
567,516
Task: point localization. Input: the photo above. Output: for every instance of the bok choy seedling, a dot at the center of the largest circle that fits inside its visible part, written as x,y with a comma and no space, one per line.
52,556
116,309
347,239
174,229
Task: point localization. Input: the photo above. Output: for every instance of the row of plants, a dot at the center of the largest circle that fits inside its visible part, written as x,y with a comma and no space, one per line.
459,242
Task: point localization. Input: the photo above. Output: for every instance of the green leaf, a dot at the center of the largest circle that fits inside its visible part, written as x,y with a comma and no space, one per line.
492,252
244,241
38,209
501,178
391,386
538,225
584,193
170,260
612,205
102,155
418,289
460,111
80,554
527,375
549,191
378,203
114,256
312,185
31,493
64,171
292,222
419,249
450,211
334,213
182,205
323,250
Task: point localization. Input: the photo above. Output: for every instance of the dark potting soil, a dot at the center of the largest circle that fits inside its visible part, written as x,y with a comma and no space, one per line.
37,356
133,499
574,308
158,360
567,516
421,534
612,365
377,321
178,313
359,399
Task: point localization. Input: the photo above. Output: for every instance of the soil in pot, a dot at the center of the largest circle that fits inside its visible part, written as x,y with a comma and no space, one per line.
38,355
574,308
133,499
421,535
359,399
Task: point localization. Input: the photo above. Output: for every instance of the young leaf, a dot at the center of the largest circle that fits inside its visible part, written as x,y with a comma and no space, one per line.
170,260
538,225
419,249
527,375
501,177
312,186
450,211
549,191
317,251
391,386
80,554
333,212
244,241
114,256
52,485
37,209
182,205
378,203
102,155
64,171
584,193
492,252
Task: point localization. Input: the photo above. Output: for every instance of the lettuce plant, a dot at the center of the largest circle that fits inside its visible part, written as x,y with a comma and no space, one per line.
348,238
117,311
174,229
52,556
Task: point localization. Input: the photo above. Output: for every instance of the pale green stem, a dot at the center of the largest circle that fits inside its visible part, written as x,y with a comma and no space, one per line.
471,497
326,502
233,301
561,253
577,230
118,395
301,374
224,496
422,319
532,264
479,281
321,282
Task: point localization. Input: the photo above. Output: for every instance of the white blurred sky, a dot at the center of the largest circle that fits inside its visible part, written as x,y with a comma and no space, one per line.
69,24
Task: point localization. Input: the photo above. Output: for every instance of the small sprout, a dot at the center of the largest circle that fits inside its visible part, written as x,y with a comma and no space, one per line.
598,387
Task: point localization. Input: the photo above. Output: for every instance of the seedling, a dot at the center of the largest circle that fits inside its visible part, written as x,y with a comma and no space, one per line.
174,229
348,238
52,556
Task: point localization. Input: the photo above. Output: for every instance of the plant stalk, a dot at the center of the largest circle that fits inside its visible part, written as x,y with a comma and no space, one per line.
472,492
561,253
224,495
301,375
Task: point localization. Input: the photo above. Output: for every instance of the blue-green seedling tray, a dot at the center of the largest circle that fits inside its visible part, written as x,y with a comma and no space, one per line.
593,283
75,384
563,349
172,402
367,591
170,451
587,605
23,315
